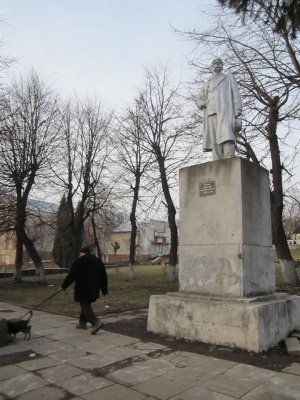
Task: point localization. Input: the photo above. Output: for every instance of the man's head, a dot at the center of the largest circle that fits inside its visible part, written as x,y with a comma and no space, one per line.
216,66
84,251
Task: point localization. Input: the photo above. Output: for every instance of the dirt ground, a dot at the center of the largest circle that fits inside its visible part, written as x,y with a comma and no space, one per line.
275,359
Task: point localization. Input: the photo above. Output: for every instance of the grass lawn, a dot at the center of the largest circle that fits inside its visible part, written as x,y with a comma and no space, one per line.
123,294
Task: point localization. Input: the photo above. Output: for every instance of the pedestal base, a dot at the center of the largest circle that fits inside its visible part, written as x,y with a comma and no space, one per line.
254,324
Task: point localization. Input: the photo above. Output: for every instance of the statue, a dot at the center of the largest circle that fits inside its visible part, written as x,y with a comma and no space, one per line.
221,103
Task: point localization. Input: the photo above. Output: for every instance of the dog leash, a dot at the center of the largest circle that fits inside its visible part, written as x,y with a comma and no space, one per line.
34,308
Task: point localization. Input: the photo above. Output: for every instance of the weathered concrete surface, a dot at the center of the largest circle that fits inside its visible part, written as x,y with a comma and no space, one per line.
226,265
292,345
254,326
225,237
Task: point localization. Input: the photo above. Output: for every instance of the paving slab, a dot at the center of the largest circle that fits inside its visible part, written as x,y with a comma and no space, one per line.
95,347
45,393
206,364
115,392
8,307
82,384
68,355
149,346
38,363
12,348
20,384
183,359
59,373
263,392
93,361
189,374
60,335
122,340
50,322
229,385
110,319
101,335
10,371
293,369
51,348
41,331
122,353
142,371
282,380
199,393
37,343
129,317
250,373
72,341
162,387
62,362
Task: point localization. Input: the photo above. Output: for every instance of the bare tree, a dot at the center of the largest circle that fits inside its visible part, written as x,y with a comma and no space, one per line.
101,214
62,246
134,162
261,60
104,221
83,158
291,217
166,133
28,138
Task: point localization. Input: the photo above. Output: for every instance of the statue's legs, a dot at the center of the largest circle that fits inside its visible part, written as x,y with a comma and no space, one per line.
228,149
224,150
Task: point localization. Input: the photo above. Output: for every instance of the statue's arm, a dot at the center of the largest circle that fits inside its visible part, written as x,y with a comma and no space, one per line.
201,99
236,96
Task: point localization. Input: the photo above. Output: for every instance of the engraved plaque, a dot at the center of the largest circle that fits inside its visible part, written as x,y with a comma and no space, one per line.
207,188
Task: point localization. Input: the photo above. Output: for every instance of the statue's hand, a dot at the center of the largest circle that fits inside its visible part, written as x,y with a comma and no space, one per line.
202,104
237,124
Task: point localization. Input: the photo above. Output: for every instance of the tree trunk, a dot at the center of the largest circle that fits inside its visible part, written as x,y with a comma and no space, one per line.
18,260
131,275
171,216
78,240
279,237
172,273
96,241
22,238
133,226
40,272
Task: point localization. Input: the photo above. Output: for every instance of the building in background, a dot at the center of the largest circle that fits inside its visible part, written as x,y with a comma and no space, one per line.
153,237
40,226
153,240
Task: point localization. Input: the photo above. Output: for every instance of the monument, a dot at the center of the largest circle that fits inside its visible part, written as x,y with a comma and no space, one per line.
226,263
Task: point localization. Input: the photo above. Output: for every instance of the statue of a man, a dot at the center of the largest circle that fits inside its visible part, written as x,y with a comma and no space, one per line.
221,103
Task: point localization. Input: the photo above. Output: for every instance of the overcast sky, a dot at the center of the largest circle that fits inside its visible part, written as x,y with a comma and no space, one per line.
99,46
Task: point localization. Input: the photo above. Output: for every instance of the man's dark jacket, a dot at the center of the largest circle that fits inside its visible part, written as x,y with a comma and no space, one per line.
89,274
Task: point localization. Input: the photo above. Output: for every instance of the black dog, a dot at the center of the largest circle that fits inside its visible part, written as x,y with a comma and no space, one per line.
14,326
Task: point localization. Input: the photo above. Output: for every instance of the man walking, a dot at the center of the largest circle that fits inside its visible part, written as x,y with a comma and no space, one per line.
89,274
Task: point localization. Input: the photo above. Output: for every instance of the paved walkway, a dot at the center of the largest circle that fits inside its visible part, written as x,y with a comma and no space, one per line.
61,362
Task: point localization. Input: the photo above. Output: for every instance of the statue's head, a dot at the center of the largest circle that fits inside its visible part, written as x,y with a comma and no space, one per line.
216,65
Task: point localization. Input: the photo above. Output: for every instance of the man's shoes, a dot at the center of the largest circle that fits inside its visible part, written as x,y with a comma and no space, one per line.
81,326
97,325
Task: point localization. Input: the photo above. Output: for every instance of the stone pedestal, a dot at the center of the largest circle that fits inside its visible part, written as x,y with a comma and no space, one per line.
226,263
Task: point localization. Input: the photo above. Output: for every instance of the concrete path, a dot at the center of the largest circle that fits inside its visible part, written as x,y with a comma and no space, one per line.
62,362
